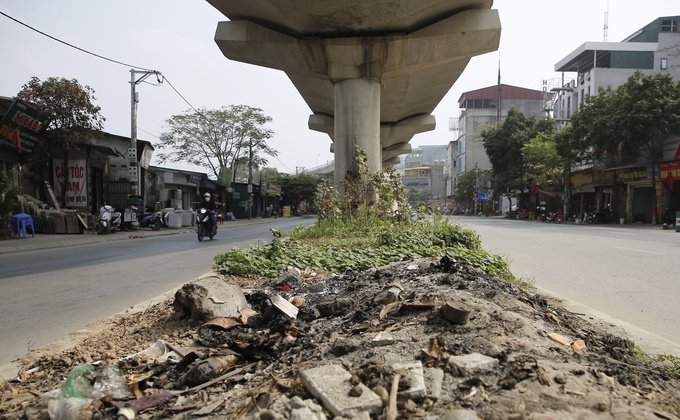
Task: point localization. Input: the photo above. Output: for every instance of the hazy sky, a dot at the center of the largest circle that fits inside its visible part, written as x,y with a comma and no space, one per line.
176,38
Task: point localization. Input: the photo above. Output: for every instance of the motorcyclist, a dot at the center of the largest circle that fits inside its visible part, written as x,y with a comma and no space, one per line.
208,204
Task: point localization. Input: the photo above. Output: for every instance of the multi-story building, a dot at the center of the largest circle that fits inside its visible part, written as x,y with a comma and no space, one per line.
655,48
481,109
423,173
425,183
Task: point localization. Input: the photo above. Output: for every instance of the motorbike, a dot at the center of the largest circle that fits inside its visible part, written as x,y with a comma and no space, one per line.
109,220
604,216
540,213
554,216
271,213
203,225
588,217
151,220
669,220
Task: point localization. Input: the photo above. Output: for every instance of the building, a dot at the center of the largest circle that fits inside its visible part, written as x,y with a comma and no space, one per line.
655,48
479,110
423,173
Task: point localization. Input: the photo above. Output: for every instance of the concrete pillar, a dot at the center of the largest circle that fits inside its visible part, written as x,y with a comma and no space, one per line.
357,123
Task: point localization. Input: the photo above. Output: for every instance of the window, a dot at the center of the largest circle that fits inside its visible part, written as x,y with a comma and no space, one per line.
568,107
664,64
668,25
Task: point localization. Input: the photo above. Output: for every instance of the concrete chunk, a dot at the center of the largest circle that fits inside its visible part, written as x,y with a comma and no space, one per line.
209,298
471,364
383,338
331,385
414,373
433,382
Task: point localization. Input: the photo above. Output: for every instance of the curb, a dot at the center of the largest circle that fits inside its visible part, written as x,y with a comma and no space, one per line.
11,370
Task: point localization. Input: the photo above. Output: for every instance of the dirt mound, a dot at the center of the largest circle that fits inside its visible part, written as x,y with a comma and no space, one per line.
538,360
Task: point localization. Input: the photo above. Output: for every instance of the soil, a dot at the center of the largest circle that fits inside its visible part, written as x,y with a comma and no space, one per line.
551,363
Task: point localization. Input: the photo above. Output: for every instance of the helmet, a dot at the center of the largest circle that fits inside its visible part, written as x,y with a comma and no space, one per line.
206,195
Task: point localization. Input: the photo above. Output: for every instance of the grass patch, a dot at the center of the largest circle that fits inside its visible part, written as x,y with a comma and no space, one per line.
338,247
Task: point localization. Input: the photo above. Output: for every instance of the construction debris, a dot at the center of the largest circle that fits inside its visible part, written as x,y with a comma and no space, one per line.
415,339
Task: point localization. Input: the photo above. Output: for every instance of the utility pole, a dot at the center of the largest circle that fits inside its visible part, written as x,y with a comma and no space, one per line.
250,178
133,167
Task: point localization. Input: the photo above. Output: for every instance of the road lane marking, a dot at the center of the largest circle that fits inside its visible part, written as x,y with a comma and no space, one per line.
640,250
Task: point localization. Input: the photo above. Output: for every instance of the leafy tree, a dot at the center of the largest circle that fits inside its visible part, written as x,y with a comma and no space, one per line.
542,160
595,128
503,145
298,187
649,114
416,196
572,148
633,122
466,185
74,118
231,137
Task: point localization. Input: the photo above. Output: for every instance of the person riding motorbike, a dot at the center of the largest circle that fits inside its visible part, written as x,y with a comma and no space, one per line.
209,205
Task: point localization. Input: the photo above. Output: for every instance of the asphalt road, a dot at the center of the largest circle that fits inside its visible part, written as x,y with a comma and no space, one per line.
630,273
45,295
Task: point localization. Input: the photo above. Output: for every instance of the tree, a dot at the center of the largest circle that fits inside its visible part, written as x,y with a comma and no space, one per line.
74,119
296,188
229,137
544,165
594,126
466,185
632,123
503,145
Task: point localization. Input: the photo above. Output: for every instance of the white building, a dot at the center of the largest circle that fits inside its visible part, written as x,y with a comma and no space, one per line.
481,109
655,48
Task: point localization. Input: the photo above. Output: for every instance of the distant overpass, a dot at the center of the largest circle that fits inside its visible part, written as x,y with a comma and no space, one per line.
372,72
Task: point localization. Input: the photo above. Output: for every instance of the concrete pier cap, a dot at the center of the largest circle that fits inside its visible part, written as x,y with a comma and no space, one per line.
371,72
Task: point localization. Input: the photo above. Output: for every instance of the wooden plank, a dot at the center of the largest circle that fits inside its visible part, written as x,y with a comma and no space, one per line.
51,197
82,221
284,306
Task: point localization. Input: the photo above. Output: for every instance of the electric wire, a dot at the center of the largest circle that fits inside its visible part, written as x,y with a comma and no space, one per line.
103,58
164,77
70,45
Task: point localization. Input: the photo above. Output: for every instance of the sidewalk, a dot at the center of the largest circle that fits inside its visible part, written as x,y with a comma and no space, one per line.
46,241
637,225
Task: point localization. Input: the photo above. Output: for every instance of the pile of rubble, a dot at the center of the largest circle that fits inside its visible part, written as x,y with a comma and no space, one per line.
428,338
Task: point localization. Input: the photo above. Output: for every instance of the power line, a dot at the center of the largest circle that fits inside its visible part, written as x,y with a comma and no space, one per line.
71,45
99,56
282,164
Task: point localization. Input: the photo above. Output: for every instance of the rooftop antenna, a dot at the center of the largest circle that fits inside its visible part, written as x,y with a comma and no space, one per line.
606,23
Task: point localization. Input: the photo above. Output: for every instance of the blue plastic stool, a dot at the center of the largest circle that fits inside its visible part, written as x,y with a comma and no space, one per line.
19,223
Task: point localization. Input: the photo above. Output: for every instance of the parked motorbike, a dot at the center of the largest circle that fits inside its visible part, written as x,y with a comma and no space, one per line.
151,220
109,220
204,225
604,216
588,217
554,216
669,219
540,213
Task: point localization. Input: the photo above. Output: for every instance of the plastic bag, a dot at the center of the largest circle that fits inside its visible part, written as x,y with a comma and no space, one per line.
111,382
88,381
67,408
80,381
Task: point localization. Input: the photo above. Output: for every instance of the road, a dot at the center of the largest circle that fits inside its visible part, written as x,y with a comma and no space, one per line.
48,294
631,274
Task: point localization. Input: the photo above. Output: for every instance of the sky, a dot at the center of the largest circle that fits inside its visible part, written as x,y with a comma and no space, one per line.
176,37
